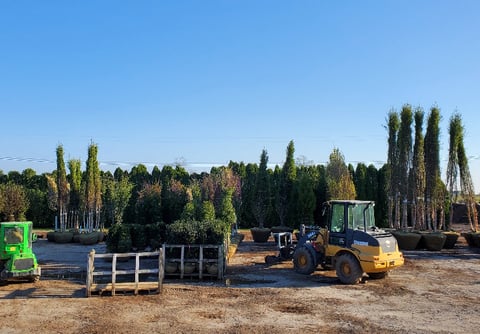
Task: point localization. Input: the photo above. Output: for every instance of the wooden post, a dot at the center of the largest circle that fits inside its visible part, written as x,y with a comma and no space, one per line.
137,267
161,271
220,262
200,263
114,272
182,261
90,269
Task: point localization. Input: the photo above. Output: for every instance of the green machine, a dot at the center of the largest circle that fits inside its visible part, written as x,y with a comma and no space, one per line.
17,260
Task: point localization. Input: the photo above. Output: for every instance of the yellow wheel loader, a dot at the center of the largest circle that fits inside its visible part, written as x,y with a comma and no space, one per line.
349,242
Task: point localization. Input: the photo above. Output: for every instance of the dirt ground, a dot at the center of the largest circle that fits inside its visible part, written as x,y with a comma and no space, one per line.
434,292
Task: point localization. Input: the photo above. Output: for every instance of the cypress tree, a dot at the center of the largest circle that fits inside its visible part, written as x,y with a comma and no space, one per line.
432,167
62,189
458,164
285,186
404,159
261,204
360,180
392,167
418,173
93,189
75,180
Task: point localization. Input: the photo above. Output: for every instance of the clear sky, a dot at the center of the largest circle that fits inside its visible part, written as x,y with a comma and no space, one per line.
206,82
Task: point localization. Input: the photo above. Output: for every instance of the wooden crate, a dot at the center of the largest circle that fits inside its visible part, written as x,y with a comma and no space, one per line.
115,286
200,260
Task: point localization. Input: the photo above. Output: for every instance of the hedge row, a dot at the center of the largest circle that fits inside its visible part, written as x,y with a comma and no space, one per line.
126,237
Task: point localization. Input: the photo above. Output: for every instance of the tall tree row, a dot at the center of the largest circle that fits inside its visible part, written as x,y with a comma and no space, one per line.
408,190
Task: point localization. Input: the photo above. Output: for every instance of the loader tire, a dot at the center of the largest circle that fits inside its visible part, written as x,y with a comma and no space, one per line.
303,261
378,275
348,269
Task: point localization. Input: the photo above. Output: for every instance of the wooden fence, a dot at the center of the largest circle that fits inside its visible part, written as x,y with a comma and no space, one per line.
183,256
115,285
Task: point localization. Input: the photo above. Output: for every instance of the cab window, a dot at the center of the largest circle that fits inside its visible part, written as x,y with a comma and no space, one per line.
338,219
13,235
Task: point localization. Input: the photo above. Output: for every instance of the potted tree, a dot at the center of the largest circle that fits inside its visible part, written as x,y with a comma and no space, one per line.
261,204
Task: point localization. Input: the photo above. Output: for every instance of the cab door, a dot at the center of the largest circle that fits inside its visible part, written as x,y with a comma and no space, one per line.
337,225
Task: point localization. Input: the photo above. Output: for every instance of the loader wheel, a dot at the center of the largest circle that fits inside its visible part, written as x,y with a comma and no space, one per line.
378,275
348,269
303,261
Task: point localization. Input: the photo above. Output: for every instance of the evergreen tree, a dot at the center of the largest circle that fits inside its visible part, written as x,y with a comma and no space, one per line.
418,173
119,193
371,184
285,185
360,180
63,189
404,159
392,169
458,167
208,211
139,176
304,198
148,206
432,167
227,211
320,194
93,190
261,203
75,180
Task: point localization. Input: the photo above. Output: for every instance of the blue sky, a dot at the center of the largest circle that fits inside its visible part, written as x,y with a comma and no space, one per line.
207,82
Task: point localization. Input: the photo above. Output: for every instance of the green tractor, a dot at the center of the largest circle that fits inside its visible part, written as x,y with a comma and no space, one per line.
17,261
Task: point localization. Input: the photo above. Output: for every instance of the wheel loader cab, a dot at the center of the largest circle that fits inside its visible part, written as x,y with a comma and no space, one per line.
346,217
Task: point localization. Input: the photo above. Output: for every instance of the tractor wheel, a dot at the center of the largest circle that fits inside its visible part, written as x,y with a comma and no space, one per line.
378,275
271,259
303,261
348,269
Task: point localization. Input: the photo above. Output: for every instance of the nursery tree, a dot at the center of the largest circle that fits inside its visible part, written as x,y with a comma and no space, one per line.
418,173
148,206
14,201
339,182
305,198
404,159
458,164
285,184
432,167
392,169
119,196
63,189
360,181
75,181
93,189
261,202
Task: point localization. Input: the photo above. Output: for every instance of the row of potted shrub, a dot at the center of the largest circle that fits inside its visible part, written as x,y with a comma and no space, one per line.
126,237
76,236
434,241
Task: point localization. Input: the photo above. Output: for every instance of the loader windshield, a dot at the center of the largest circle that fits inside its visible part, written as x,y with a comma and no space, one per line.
13,235
361,216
